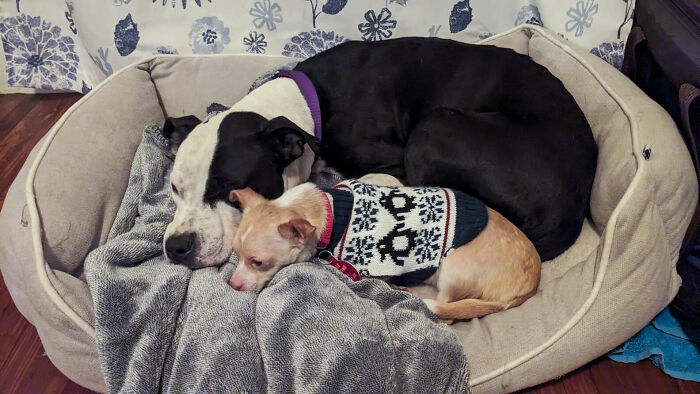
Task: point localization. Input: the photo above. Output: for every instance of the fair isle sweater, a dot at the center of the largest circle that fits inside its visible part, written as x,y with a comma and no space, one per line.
393,231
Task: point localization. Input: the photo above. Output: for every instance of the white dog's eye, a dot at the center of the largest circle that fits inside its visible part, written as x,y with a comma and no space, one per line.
174,188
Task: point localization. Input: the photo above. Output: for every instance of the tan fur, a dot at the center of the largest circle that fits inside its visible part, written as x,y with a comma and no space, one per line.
266,225
500,266
497,270
380,180
467,308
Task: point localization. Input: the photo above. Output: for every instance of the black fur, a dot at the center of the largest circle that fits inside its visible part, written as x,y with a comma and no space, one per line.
476,118
249,149
177,129
288,140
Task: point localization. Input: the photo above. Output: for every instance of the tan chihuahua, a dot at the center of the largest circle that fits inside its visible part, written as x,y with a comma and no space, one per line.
496,269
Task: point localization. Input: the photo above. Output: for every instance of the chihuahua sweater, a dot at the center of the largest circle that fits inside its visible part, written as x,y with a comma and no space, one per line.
392,231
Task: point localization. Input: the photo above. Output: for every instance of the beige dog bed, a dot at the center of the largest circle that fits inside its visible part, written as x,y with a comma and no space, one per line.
618,275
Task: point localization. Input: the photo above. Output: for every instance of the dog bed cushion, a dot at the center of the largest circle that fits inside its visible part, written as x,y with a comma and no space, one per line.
617,276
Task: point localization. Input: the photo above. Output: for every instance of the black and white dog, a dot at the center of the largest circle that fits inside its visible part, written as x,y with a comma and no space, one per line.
476,118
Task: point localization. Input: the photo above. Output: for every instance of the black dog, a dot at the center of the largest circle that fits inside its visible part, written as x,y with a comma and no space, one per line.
477,118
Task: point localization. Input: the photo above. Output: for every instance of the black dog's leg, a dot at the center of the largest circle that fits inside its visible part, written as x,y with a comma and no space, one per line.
490,156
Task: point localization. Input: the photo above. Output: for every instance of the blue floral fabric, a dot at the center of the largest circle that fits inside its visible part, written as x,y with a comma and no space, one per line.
171,2
378,27
75,44
255,42
461,16
38,54
581,16
529,14
266,14
209,35
309,43
166,50
100,60
611,52
126,36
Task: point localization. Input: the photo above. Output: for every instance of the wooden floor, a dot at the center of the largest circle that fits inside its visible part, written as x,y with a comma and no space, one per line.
24,368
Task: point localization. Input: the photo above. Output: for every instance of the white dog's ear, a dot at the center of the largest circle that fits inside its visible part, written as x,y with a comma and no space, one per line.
247,197
296,231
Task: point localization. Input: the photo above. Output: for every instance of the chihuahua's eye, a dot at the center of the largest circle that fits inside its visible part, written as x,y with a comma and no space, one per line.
174,188
255,263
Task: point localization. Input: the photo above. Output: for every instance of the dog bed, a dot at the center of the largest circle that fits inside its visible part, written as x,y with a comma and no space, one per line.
617,276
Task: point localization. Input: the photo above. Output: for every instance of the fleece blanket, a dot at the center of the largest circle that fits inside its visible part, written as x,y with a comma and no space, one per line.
669,343
162,327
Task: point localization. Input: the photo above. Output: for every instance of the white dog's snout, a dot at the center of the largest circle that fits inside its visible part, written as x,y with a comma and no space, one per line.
183,228
212,227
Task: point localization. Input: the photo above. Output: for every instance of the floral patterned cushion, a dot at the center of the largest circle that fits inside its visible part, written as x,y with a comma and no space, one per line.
77,44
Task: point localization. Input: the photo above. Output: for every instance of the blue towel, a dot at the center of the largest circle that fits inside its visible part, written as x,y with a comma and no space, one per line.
674,349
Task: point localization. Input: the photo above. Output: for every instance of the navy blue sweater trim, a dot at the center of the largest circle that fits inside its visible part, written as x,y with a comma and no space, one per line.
472,218
342,209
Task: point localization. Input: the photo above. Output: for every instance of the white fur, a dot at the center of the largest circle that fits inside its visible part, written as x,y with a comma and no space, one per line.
278,97
245,234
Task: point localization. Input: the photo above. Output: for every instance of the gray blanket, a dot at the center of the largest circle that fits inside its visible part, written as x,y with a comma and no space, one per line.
163,327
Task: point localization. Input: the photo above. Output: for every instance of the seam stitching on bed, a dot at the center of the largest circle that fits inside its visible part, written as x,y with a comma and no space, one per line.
35,221
609,228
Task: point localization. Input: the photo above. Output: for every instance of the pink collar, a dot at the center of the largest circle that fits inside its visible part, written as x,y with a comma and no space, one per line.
326,235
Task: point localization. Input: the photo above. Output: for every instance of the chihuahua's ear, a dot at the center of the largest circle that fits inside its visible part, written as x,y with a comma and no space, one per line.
288,140
296,231
247,197
177,129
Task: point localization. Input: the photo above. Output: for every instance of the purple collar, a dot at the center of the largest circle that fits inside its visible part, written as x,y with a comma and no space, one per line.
307,90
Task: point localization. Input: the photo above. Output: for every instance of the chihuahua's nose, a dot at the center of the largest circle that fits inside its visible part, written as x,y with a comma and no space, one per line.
236,282
179,246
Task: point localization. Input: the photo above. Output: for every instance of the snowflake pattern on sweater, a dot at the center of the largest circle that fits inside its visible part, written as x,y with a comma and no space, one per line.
395,230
